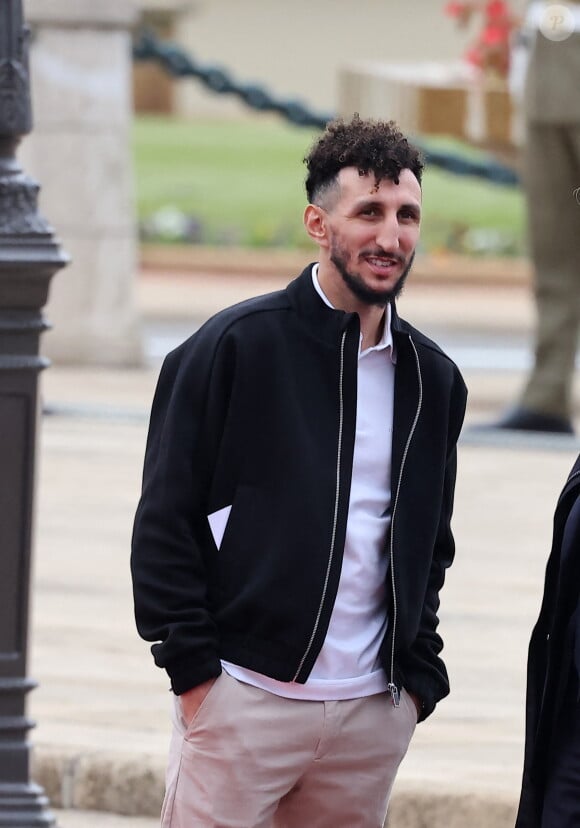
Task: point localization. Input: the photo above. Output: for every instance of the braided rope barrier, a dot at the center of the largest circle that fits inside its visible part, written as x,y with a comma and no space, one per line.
180,64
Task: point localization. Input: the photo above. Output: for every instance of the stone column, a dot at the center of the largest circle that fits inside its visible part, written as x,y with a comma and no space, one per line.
80,149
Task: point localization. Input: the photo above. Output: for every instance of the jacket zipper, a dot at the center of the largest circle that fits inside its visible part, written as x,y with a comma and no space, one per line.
336,504
392,687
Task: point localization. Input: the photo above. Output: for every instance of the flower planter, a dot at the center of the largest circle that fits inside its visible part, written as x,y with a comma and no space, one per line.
446,99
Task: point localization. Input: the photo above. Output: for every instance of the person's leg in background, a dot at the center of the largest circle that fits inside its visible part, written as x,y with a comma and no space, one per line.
552,169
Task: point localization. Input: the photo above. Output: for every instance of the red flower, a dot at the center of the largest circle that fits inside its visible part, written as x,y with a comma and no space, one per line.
455,9
496,8
490,51
474,56
494,35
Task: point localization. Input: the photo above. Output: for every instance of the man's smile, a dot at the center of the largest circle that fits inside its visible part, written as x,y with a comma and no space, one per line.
383,265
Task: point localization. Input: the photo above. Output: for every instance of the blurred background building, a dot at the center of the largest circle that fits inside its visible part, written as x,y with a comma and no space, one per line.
329,55
298,49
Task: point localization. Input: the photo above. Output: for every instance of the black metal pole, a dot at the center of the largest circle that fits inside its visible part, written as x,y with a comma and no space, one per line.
29,256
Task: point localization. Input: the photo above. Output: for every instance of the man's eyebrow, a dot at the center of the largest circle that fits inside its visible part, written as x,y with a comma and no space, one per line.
414,208
365,203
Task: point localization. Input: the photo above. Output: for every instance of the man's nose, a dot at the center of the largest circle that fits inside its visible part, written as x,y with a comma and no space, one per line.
388,233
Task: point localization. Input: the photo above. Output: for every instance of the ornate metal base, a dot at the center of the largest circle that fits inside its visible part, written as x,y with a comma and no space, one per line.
24,806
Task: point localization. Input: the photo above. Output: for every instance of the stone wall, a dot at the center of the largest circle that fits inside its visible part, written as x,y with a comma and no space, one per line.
79,151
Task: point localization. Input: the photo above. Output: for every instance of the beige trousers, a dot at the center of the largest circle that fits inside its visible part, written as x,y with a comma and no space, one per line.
552,164
250,759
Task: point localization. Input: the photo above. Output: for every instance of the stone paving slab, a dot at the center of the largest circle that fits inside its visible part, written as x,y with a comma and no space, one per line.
99,819
103,708
498,306
409,809
442,267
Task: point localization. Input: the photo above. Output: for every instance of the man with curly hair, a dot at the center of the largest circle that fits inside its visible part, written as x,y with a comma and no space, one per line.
293,531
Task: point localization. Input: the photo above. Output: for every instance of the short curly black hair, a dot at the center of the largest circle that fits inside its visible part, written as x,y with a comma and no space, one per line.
371,146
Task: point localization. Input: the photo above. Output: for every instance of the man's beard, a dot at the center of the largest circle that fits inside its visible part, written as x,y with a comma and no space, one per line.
356,284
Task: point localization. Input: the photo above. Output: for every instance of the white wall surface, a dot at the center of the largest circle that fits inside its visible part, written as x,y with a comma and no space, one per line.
296,47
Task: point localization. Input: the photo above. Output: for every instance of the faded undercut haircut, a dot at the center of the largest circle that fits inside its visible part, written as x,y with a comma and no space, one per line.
377,147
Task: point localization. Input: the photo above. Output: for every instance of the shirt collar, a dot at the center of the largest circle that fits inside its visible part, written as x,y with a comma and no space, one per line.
386,340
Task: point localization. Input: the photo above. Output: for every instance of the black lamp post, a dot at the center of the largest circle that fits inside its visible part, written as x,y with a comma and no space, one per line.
29,256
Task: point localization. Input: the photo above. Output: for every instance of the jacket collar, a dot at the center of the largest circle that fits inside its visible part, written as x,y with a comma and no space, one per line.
327,321
397,324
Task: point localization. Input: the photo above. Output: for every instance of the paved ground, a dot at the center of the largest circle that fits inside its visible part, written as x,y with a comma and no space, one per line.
101,705
99,819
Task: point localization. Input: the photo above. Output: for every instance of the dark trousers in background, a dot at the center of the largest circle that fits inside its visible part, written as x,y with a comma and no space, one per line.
562,797
552,160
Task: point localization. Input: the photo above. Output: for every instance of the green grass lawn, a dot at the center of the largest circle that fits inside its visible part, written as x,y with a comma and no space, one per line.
241,182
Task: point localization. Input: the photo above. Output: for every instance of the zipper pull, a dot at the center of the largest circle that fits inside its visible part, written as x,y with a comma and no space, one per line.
395,695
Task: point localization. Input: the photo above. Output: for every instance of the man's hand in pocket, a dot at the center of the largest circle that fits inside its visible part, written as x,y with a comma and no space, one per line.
191,700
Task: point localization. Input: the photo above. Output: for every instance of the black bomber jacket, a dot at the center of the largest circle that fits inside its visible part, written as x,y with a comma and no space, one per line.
257,411
551,656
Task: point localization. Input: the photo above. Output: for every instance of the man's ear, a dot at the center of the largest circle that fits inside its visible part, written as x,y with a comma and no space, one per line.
315,223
